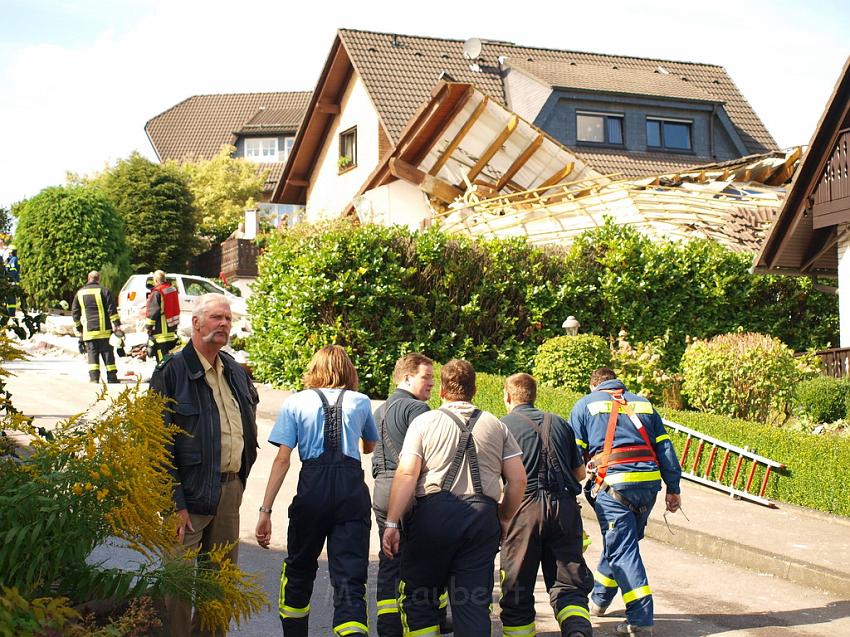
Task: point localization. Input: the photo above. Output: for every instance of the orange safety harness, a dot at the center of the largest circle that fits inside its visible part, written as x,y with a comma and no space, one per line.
621,455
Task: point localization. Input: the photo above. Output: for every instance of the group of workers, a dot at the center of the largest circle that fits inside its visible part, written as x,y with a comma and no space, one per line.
98,324
453,487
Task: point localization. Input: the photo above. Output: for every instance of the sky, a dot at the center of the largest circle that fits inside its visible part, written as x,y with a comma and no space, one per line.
79,78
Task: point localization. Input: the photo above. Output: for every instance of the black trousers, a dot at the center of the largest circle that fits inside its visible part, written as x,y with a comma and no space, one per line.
161,350
389,571
95,350
331,503
451,544
546,531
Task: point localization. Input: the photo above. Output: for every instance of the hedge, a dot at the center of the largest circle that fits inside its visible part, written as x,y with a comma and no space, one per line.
382,292
818,466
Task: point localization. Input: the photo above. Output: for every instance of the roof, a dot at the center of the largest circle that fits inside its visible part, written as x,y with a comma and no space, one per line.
794,245
460,140
399,72
613,79
197,127
267,121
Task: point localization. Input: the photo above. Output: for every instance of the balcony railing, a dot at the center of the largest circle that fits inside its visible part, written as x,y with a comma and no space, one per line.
836,361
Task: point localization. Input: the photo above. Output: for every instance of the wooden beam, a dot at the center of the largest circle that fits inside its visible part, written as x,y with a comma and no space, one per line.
830,238
430,184
298,183
438,133
493,148
447,153
327,107
556,178
519,162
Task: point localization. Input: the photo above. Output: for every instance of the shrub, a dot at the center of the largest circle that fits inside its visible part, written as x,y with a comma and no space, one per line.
159,217
568,361
62,234
640,368
744,375
822,399
382,292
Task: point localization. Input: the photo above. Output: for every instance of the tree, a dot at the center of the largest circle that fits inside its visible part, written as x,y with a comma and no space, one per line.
156,206
5,221
223,188
62,234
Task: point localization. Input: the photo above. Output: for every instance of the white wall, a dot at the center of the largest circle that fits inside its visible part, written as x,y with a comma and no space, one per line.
398,203
844,289
329,191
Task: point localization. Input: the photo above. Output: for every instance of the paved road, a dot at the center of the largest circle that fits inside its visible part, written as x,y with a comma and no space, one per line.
693,595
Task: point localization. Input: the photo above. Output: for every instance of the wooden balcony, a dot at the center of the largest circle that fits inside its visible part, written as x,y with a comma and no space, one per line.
831,205
234,258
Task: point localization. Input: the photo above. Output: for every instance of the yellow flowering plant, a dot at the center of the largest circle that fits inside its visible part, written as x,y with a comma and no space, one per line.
93,478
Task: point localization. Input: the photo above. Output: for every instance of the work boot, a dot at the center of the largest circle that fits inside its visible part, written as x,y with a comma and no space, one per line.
596,610
631,629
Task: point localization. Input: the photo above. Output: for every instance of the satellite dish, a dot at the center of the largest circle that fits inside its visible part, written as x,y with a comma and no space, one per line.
472,49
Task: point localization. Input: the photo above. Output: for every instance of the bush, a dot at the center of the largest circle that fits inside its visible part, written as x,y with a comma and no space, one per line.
568,361
748,376
159,217
381,292
62,234
639,366
822,399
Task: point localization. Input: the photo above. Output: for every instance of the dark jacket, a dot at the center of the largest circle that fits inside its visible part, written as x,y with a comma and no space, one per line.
197,451
156,322
93,310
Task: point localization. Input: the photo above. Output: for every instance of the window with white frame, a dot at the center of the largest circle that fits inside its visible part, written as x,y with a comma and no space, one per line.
261,149
599,128
287,148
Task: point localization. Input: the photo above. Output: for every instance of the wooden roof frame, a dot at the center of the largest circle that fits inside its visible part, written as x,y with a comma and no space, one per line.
794,217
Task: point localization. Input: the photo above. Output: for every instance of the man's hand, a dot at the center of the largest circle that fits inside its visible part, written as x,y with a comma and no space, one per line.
264,530
184,524
81,345
390,542
674,501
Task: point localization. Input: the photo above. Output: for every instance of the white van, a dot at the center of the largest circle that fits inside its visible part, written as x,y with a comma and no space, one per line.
133,297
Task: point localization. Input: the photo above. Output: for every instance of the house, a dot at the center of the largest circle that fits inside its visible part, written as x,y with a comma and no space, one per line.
261,126
620,117
811,235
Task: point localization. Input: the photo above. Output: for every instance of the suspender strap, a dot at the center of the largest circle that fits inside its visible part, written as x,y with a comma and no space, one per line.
548,457
386,441
466,446
333,421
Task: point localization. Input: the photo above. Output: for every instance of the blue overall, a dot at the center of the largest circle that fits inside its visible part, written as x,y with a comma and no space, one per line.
331,503
632,487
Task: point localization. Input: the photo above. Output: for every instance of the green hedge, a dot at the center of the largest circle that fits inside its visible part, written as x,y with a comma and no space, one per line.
818,466
382,292
822,399
568,361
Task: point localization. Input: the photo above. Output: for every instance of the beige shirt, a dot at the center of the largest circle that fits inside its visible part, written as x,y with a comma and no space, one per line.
434,437
229,415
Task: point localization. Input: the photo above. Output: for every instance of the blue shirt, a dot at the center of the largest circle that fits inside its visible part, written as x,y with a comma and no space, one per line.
301,423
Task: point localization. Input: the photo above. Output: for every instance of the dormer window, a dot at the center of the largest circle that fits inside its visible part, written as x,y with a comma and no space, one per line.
668,134
599,128
261,149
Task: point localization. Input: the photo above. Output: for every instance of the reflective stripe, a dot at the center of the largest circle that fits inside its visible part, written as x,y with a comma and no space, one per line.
387,606
637,593
517,631
444,599
632,476
94,336
572,611
164,337
431,631
585,542
115,318
604,407
402,615
662,437
94,366
351,628
607,582
150,322
581,443
289,611
112,368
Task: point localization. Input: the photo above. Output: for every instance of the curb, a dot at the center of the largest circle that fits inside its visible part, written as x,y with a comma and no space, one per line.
745,556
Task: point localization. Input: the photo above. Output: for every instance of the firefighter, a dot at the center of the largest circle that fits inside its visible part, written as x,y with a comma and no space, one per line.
326,422
13,273
630,454
547,528
454,460
161,321
93,310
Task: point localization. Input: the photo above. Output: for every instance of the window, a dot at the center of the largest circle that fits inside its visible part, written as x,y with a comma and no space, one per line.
287,148
599,128
672,134
347,149
261,149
